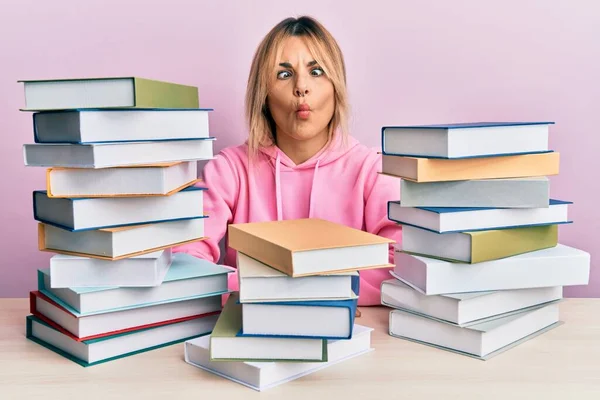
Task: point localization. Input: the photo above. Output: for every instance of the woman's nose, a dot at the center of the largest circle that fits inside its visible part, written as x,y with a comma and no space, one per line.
301,88
301,91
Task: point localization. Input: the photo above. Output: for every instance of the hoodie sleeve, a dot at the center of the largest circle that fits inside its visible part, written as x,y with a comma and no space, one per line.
222,181
379,189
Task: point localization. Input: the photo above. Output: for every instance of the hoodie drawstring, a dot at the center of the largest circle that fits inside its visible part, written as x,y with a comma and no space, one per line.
312,190
278,188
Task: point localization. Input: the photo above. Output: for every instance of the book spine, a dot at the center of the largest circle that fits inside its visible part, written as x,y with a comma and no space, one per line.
155,94
266,252
439,170
496,244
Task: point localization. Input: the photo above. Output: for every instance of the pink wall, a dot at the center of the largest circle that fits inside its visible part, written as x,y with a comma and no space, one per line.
408,62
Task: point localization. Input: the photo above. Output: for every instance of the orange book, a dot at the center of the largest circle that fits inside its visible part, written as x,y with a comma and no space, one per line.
310,246
440,169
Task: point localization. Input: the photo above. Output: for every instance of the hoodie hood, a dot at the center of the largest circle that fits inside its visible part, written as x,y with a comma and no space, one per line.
327,155
279,160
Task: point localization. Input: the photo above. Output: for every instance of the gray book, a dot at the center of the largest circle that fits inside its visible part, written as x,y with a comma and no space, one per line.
533,192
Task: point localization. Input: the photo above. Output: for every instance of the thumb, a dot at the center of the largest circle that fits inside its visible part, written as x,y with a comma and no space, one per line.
232,283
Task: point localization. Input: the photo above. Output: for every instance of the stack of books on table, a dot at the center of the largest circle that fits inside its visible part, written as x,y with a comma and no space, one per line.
480,268
295,310
121,191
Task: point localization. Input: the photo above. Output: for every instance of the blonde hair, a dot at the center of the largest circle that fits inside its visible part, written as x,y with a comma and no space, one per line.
326,53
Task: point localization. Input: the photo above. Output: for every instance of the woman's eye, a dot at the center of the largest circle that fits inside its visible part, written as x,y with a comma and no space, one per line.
284,75
317,72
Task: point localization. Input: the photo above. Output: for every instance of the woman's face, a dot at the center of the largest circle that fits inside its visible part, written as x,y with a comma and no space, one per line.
301,96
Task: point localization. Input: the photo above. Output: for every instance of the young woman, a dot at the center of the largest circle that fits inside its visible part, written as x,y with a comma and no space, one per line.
299,160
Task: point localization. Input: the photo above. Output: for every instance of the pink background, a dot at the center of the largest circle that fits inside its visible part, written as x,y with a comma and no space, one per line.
408,62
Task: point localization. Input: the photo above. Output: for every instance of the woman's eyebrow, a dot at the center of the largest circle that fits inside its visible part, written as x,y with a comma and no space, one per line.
288,65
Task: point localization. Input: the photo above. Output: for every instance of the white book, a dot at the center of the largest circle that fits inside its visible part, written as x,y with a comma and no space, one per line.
481,341
188,277
456,219
260,283
92,352
92,126
109,212
140,271
314,319
151,180
557,266
531,192
265,375
466,140
465,309
104,155
116,321
121,242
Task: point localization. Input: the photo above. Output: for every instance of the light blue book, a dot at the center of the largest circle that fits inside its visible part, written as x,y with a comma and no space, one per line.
188,277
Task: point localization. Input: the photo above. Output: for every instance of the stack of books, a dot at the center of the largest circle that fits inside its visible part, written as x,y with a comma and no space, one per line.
121,191
295,310
480,268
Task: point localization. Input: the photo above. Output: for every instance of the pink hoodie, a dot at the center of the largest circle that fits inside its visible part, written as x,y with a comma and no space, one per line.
339,184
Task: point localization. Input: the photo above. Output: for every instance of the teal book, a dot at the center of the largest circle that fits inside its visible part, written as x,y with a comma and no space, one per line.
188,278
96,351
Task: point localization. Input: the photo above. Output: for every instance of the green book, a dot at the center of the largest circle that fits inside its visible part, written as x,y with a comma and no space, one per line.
106,93
226,345
479,246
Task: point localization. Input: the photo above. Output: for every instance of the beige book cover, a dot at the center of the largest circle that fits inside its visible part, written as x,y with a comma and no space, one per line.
440,170
275,243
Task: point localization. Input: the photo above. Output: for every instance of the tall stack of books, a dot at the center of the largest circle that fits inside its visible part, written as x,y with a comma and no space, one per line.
480,268
122,190
295,310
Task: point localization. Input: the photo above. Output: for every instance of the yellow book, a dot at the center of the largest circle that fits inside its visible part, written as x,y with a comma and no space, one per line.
478,246
440,169
310,246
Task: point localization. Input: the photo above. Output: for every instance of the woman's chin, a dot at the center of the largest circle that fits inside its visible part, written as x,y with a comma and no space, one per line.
303,135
